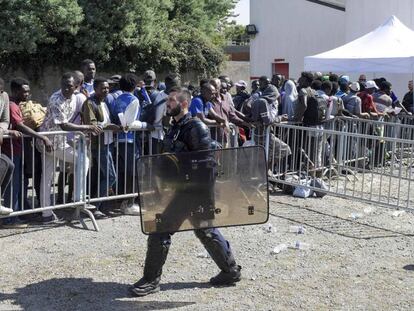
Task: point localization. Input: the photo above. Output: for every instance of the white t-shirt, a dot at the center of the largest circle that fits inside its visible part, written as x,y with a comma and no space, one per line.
108,136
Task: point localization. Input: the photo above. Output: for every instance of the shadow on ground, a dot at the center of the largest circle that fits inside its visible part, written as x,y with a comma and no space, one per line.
409,267
332,224
83,294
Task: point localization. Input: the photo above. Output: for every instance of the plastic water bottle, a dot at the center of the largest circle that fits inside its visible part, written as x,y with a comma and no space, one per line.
278,249
301,245
356,216
203,255
297,229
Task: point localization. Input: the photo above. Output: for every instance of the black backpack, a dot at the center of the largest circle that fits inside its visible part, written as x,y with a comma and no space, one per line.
316,111
149,108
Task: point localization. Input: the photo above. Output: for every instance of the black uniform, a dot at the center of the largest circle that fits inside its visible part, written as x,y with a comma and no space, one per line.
188,134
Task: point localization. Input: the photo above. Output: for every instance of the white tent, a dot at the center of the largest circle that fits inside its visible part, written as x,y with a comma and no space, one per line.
387,49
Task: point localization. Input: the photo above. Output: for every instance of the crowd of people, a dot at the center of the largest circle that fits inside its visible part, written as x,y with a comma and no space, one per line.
109,110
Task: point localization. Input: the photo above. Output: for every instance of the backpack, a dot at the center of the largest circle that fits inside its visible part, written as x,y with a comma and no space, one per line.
33,114
148,107
316,111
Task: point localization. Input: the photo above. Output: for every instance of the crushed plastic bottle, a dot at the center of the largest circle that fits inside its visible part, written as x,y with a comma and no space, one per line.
369,210
203,255
297,229
300,245
398,213
356,216
269,228
280,248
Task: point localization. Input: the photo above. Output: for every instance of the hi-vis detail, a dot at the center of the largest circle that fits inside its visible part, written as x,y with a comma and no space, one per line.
203,189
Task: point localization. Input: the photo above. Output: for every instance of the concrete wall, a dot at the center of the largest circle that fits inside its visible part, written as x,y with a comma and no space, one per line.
291,30
237,71
41,88
378,11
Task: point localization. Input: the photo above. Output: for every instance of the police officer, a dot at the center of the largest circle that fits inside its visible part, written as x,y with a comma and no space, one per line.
186,134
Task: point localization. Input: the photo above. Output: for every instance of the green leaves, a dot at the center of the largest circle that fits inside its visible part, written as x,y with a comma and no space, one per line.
166,35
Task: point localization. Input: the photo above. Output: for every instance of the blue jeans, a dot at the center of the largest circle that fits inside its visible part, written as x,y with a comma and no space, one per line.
127,155
108,174
12,197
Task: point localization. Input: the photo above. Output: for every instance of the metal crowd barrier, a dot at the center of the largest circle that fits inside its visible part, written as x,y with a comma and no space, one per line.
392,128
34,192
224,138
126,172
352,161
98,170
361,167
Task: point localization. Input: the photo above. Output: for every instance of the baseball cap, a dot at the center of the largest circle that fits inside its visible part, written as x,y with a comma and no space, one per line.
149,75
241,83
344,80
355,86
371,85
114,79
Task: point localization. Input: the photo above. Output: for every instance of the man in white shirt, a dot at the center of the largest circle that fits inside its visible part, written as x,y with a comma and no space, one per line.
59,116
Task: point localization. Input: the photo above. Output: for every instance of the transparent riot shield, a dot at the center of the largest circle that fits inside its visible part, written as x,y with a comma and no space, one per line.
204,189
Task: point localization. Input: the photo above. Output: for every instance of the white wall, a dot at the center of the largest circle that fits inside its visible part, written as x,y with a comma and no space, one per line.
364,16
292,29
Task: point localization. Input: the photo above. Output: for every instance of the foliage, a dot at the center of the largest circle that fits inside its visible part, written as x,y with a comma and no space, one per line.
179,35
235,33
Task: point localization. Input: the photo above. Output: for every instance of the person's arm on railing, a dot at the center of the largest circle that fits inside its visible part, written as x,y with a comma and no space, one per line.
131,114
28,131
71,127
398,104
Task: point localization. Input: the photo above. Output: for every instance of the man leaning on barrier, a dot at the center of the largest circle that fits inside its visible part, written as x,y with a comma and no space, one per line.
186,134
95,112
60,114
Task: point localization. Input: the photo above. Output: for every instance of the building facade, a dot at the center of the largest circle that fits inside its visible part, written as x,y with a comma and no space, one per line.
289,30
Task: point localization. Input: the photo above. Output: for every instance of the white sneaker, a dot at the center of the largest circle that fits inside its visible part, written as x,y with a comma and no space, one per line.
5,210
133,210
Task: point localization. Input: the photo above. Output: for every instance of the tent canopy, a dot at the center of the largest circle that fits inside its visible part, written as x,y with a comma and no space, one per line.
387,49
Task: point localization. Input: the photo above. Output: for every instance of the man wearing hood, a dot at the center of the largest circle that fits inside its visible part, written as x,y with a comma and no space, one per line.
264,109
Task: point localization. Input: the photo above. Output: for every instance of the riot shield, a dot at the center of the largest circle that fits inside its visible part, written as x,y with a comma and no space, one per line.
203,189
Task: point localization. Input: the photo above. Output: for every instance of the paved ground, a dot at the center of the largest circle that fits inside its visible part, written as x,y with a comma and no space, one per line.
359,257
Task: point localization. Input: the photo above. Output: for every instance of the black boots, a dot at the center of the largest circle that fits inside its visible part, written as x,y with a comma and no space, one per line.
158,246
227,278
144,287
157,251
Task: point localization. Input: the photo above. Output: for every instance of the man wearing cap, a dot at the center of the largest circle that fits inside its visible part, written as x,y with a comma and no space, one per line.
352,102
150,80
367,101
147,93
114,92
241,94
343,87
264,109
